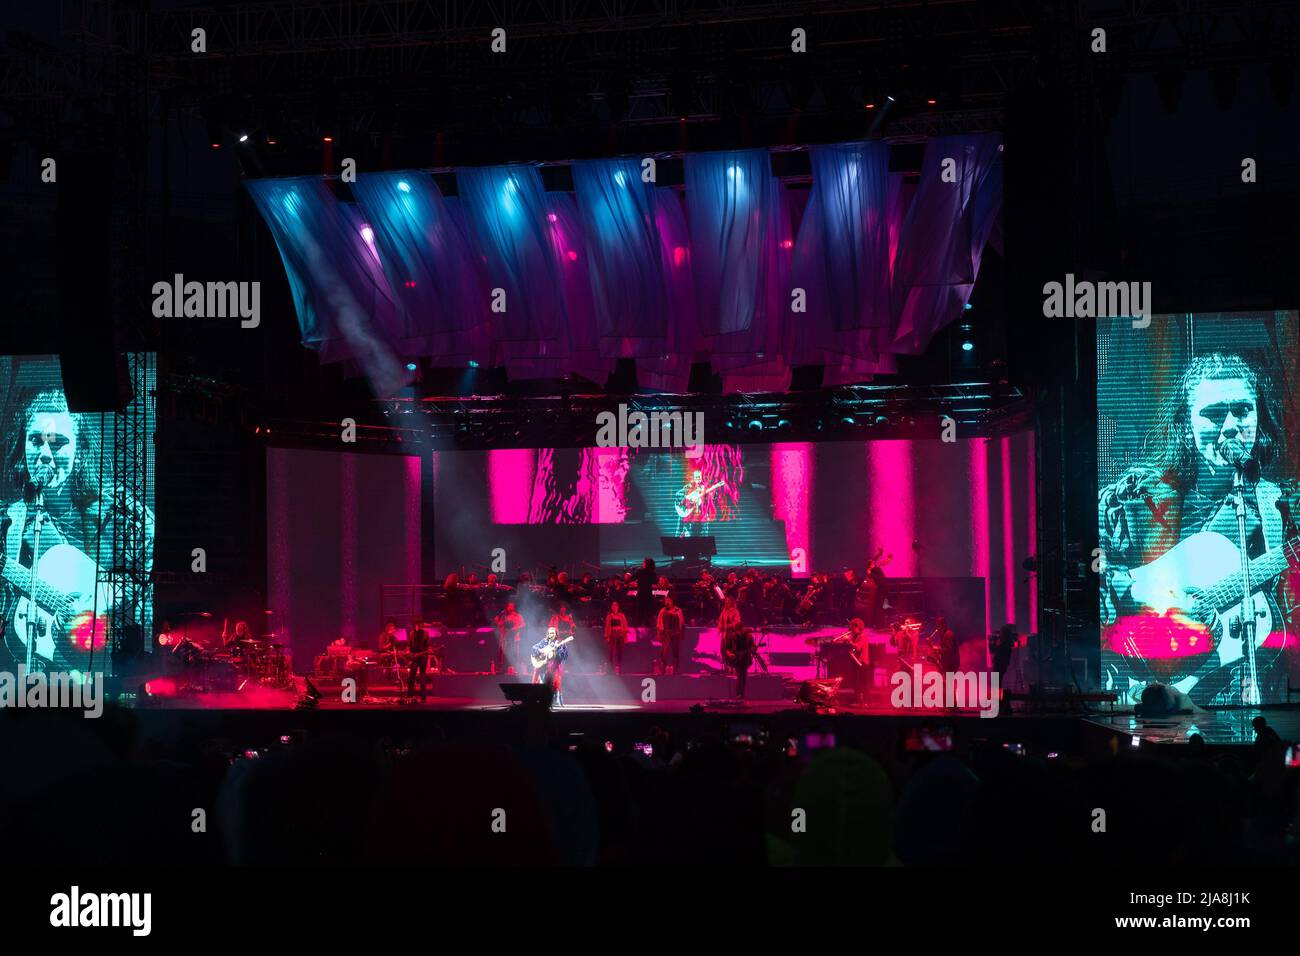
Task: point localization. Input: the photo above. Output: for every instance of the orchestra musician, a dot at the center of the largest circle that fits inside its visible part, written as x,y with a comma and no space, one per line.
903,637
615,636
509,625
876,572
670,627
563,623
860,649
646,578
453,596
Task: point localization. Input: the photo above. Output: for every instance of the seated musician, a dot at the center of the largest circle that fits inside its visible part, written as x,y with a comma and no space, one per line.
241,635
388,637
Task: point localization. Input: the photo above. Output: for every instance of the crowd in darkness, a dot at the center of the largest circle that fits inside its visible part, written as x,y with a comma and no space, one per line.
696,792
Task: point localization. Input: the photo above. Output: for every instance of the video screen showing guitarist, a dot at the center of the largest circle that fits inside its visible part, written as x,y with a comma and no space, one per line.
1172,584
51,473
694,506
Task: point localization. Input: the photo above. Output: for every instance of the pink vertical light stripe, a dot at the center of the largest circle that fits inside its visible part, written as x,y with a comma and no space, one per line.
1031,486
891,504
979,518
412,541
792,484
348,548
1008,536
510,483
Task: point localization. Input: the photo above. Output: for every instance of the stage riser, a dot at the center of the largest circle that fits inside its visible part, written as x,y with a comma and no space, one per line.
587,688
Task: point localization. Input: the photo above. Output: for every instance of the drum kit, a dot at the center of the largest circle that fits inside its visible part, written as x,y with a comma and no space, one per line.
835,655
262,661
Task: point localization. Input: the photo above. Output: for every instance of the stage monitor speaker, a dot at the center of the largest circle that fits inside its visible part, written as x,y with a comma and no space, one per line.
95,376
529,695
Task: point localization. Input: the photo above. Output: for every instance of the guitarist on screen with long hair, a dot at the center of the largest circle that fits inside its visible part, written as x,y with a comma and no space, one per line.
51,472
1172,589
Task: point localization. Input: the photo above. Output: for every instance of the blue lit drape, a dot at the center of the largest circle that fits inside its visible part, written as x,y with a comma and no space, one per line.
621,268
505,209
843,256
938,252
427,262
624,256
345,309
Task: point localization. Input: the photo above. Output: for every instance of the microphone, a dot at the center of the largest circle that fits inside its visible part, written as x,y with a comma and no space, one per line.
1234,453
43,475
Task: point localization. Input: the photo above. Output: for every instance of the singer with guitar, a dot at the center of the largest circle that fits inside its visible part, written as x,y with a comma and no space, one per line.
1183,532
693,507
548,657
52,485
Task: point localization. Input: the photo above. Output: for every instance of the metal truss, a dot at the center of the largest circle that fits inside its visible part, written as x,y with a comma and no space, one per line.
128,575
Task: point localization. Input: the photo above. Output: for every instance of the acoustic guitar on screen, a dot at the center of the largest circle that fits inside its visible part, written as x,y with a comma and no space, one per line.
1198,582
687,502
65,603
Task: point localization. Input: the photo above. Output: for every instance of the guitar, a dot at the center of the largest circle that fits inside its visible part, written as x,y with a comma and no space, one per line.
65,603
686,503
545,651
1198,584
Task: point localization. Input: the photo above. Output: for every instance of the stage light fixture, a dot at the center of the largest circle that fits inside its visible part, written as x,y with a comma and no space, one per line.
404,186
411,366
968,346
473,364
243,137
327,139
755,425
968,306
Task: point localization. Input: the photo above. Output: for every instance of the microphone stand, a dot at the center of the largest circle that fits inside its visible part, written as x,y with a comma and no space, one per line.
38,503
1250,695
